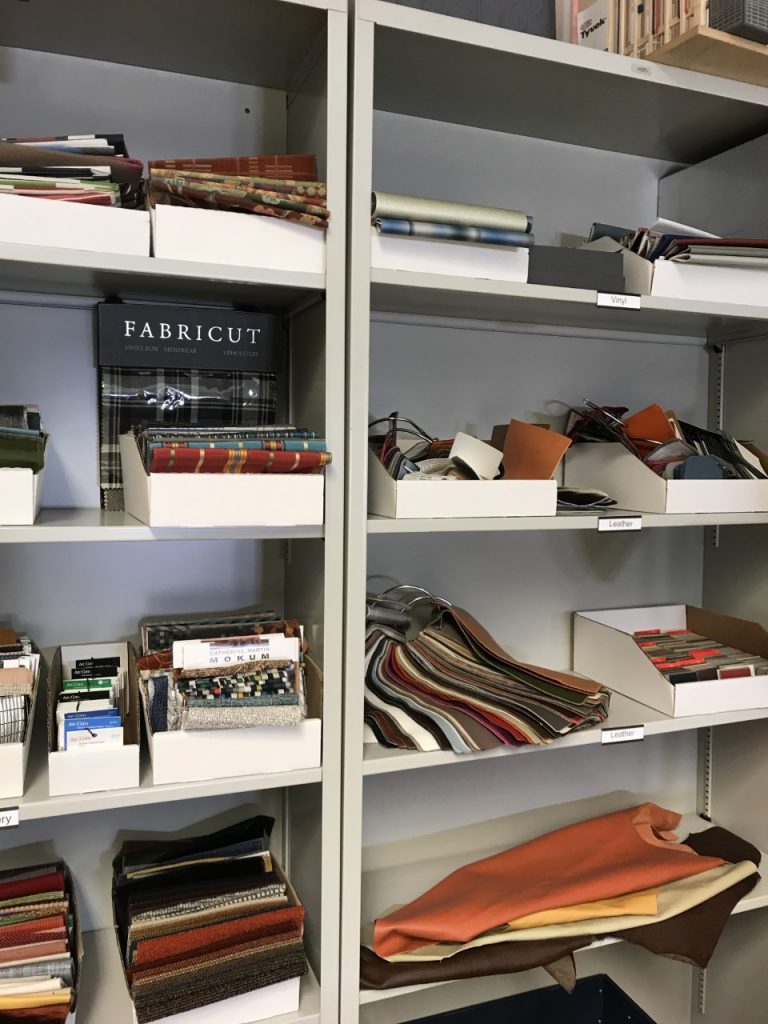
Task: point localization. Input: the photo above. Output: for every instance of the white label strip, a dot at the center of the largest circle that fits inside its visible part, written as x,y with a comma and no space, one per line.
629,734
615,301
9,817
615,524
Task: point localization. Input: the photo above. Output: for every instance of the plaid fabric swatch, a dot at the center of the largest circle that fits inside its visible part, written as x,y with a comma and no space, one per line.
155,397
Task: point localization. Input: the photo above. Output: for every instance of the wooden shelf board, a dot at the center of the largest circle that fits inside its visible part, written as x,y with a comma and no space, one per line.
716,53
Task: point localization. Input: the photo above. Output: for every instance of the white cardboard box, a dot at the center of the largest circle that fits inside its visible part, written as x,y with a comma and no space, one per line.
219,499
456,499
244,1009
196,755
615,470
719,284
439,256
14,756
25,220
604,649
236,239
21,491
102,768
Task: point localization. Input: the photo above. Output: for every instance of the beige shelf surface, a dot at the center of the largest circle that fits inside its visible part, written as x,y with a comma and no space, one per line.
717,53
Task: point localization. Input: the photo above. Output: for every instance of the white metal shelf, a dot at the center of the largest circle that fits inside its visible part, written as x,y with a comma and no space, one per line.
624,712
43,269
448,69
401,291
91,525
104,993
37,803
562,521
259,44
756,900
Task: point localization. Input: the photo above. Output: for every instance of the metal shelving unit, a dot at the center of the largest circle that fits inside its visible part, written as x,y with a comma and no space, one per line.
257,77
463,111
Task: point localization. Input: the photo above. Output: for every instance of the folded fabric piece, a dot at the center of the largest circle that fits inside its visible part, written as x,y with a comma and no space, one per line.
438,211
453,687
216,460
314,190
453,232
606,856
674,898
236,193
690,936
643,902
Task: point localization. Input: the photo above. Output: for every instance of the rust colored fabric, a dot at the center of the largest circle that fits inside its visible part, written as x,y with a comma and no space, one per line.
213,937
607,856
37,1015
32,886
32,951
43,928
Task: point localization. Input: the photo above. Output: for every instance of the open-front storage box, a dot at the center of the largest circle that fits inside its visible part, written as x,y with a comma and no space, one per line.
739,285
21,492
25,220
219,499
439,256
459,499
194,755
14,756
101,768
615,470
604,649
247,1008
237,239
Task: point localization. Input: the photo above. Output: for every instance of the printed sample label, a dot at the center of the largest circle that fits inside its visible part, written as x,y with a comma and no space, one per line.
615,301
628,734
9,817
614,524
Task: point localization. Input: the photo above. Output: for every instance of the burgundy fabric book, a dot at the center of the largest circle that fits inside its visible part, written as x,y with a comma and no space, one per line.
220,460
293,167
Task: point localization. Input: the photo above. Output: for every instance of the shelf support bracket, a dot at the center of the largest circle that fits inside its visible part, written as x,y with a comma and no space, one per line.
701,990
717,350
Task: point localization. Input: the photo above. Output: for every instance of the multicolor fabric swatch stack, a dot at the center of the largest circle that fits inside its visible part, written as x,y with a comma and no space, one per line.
205,919
91,169
19,675
237,185
450,686
624,874
250,674
39,945
22,438
458,222
277,449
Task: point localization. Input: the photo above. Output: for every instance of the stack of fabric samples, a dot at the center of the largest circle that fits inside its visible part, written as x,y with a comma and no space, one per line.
19,675
284,187
244,670
40,947
624,874
667,445
91,169
683,656
457,222
445,684
89,709
22,438
206,919
276,449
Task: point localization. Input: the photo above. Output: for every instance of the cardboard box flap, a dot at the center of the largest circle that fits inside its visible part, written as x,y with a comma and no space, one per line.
742,634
